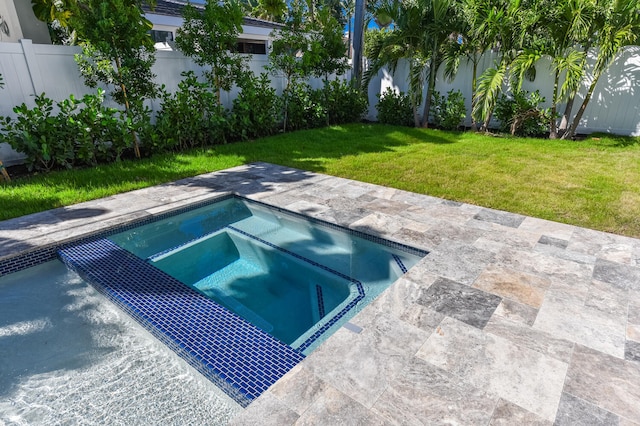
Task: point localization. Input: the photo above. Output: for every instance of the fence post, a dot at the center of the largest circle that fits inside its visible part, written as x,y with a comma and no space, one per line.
32,66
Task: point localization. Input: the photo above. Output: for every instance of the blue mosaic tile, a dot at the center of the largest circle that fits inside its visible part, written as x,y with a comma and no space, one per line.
315,336
238,357
27,260
400,263
320,301
33,258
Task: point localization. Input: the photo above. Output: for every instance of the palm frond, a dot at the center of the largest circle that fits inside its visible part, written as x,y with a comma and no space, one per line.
571,63
523,63
489,86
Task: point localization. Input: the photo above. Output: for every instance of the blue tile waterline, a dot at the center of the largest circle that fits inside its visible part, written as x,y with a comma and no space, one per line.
321,311
35,257
238,357
344,311
400,263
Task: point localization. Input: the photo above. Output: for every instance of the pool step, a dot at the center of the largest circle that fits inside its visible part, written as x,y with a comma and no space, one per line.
237,356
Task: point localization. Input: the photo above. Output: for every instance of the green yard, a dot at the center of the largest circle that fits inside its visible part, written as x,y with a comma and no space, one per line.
593,183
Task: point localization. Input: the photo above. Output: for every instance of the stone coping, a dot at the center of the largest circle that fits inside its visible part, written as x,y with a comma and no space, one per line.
509,320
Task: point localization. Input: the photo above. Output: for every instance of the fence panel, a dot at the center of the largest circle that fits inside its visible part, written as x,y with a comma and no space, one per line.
30,69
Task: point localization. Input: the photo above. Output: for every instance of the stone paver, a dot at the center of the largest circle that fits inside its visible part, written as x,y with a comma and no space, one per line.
553,334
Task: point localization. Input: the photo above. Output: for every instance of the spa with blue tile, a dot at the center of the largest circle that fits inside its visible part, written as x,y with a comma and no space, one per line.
508,320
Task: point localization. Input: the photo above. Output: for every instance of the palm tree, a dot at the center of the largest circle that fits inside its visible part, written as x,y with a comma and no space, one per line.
471,43
567,24
349,7
619,28
420,29
440,21
514,29
402,42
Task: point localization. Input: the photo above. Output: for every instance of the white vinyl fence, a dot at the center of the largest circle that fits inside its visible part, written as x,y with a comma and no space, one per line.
29,69
614,106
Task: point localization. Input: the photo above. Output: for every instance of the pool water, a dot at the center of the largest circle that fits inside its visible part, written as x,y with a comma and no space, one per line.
255,282
69,356
288,275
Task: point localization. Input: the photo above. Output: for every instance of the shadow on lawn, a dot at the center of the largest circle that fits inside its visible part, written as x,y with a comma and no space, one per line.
307,149
310,149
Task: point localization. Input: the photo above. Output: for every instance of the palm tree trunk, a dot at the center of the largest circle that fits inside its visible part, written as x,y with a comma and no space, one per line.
474,125
564,122
430,88
553,131
286,103
349,41
416,116
576,120
485,125
4,172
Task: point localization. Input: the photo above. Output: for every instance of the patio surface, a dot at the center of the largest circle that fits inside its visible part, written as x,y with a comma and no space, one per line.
509,319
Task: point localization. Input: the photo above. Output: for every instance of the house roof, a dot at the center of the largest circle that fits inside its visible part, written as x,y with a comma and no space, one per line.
174,8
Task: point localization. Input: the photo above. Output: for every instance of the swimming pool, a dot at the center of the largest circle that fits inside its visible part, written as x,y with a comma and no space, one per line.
291,276
238,289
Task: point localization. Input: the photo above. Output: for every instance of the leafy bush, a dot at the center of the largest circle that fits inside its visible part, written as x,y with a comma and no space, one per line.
256,111
82,132
395,108
521,114
302,107
448,112
345,103
189,117
34,133
102,133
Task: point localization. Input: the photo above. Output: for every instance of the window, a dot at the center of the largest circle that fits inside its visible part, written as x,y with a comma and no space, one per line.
161,36
255,47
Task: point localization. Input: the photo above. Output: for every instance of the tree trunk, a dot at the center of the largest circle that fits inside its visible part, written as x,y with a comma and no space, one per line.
326,97
349,42
285,93
134,134
5,174
576,120
564,122
474,125
416,116
430,88
553,131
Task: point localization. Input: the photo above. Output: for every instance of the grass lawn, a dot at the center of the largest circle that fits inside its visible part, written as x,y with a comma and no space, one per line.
593,183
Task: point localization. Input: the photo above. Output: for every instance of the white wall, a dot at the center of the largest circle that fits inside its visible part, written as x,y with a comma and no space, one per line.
614,106
30,69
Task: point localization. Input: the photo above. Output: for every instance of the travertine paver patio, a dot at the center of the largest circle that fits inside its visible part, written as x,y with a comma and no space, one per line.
509,320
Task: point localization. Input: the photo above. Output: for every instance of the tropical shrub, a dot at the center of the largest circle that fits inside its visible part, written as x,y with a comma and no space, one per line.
256,111
102,134
395,108
82,132
520,113
189,117
35,133
448,111
345,103
302,107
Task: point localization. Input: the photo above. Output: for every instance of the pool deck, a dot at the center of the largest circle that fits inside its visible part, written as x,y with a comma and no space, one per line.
509,320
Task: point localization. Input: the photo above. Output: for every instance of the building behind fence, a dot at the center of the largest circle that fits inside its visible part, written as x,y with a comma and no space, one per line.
32,69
